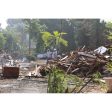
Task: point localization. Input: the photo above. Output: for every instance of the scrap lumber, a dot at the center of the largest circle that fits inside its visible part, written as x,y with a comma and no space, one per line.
88,55
81,61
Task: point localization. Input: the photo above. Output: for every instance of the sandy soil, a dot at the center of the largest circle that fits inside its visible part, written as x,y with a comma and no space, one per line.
24,84
36,85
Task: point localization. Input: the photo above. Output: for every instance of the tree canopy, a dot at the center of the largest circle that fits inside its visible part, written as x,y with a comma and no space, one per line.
63,34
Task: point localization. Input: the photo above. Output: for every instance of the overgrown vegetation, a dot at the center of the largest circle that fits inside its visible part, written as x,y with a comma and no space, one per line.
109,66
56,81
59,82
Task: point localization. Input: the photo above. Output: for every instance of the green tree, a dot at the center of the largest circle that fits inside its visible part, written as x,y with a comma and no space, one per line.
53,40
33,28
11,40
61,25
2,40
16,31
109,30
89,32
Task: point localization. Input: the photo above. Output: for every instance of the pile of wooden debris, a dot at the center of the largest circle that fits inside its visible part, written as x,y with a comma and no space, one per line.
82,62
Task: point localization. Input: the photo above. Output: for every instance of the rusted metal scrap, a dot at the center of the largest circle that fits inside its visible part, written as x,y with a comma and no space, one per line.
10,72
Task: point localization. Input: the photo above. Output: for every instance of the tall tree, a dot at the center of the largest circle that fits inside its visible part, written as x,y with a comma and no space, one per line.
89,32
34,28
16,28
2,40
61,25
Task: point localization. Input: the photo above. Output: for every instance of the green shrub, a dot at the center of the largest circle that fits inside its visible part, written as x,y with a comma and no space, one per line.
59,82
109,66
56,81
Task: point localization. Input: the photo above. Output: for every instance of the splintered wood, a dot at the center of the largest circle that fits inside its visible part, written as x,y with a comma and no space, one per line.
80,62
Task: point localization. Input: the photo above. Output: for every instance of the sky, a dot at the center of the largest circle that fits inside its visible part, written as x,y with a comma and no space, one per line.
3,22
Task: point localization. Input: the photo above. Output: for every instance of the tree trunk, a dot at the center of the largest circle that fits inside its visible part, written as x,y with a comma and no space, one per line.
29,45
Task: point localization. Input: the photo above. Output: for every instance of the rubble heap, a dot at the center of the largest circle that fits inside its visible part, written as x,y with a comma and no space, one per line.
82,62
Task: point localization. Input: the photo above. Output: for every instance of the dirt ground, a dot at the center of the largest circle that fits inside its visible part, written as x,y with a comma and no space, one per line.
23,85
35,85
